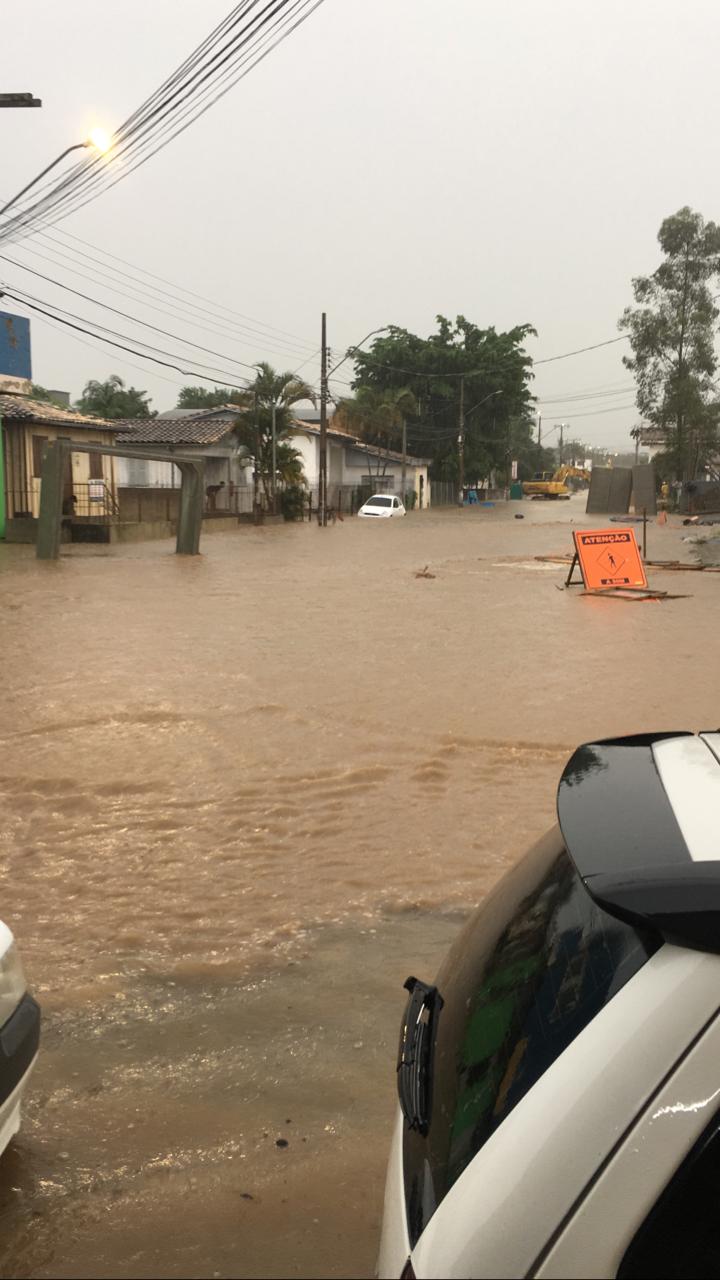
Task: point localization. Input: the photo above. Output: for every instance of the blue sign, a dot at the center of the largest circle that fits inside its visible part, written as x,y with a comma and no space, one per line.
14,346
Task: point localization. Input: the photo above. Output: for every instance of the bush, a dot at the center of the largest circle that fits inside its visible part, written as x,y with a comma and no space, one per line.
292,502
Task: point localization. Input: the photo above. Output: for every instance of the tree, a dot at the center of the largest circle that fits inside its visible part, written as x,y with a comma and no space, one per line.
671,332
204,398
269,401
432,368
377,416
112,399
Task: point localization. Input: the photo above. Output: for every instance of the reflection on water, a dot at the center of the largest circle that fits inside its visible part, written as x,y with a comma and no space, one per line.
203,760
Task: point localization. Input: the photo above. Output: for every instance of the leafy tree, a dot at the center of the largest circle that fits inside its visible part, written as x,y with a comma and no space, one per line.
431,369
112,399
204,398
376,416
271,397
671,331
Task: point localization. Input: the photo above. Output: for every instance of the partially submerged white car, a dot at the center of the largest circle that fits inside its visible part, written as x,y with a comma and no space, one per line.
19,1036
560,1082
384,505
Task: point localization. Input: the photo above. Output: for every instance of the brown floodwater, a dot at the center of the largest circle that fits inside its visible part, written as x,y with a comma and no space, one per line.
244,794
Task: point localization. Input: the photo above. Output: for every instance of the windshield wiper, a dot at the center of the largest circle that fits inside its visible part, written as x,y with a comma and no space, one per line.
417,1040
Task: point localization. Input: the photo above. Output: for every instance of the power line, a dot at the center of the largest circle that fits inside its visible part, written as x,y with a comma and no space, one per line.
589,395
304,342
115,310
92,173
85,181
592,413
469,373
80,328
134,319
139,295
92,346
247,325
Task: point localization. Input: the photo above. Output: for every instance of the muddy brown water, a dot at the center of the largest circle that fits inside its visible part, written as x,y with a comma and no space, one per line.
243,796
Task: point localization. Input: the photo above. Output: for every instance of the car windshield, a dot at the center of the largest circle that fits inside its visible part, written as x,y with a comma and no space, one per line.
380,501
531,969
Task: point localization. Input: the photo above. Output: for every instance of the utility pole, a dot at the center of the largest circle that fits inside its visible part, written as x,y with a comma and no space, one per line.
539,441
322,470
256,469
403,481
560,454
461,443
274,459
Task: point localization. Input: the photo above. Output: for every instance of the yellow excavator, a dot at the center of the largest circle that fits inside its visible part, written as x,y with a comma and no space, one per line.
548,484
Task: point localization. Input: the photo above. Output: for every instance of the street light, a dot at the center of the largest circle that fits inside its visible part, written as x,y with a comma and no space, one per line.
19,100
98,139
352,350
461,434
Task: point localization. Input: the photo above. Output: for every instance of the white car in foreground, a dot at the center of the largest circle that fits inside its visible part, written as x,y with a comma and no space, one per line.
19,1036
384,505
560,1081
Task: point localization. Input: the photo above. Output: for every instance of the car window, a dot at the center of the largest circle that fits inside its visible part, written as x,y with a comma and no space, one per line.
529,972
680,1238
380,501
395,502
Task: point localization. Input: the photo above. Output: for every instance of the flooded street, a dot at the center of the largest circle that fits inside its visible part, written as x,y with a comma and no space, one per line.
244,796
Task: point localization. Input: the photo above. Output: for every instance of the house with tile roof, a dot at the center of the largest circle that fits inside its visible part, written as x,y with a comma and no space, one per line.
206,432
26,425
355,468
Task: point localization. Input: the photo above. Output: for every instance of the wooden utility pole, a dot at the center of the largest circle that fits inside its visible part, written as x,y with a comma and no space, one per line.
539,442
560,454
322,470
256,468
403,473
461,443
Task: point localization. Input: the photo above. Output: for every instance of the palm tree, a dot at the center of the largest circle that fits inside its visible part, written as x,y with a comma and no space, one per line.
266,425
378,416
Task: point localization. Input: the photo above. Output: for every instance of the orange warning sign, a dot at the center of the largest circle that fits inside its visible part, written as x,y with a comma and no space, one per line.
609,558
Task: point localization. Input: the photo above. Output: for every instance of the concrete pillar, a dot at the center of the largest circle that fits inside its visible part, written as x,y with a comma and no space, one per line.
51,497
191,508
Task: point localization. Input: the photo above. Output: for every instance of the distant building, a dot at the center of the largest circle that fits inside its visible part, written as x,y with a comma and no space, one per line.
353,465
208,433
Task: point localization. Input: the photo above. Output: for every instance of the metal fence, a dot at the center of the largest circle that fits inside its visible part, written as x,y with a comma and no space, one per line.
92,499
443,493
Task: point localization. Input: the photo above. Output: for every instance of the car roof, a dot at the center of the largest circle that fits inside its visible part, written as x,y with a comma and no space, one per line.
639,816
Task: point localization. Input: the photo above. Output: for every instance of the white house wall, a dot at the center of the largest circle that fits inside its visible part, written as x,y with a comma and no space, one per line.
143,473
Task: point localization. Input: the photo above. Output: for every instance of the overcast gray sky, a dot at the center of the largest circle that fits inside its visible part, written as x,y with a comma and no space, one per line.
391,160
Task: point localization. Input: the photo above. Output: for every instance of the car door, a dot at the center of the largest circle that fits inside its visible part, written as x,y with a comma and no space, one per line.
653,1209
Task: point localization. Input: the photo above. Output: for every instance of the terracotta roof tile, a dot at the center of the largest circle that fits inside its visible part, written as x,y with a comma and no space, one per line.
25,409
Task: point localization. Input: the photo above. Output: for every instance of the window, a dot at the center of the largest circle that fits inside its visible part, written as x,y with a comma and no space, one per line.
533,967
380,484
37,449
96,466
680,1238
379,502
